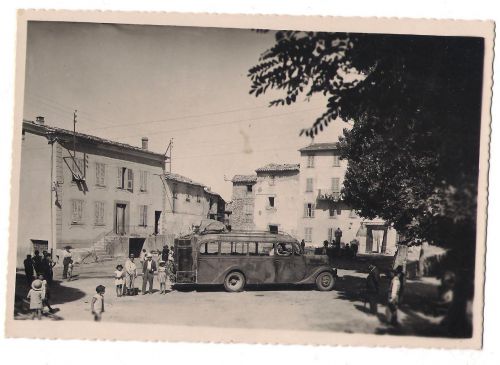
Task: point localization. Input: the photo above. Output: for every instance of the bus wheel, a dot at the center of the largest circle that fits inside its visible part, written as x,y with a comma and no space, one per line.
325,281
234,282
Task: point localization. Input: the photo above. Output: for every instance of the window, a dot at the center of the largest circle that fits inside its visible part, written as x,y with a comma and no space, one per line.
209,248
233,248
198,198
99,213
308,234
188,197
309,210
271,202
309,185
174,191
352,214
336,160
335,185
248,209
143,215
330,234
273,228
265,249
310,161
272,180
100,174
249,188
144,181
125,179
76,211
78,167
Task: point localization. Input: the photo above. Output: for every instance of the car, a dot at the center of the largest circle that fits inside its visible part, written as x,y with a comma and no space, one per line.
235,259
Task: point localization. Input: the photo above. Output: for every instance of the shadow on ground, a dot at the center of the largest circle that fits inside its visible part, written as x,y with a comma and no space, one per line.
58,295
418,306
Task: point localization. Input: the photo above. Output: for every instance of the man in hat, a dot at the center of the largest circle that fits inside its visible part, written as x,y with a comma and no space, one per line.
148,272
130,274
66,261
29,271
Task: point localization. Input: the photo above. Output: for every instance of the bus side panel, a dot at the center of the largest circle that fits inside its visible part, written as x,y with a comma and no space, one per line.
208,270
260,270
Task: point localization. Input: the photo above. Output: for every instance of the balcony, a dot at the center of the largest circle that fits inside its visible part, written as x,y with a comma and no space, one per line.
329,195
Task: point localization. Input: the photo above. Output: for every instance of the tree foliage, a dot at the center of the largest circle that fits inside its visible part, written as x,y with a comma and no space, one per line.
413,151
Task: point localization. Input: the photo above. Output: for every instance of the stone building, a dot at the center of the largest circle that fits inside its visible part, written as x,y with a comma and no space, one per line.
100,197
322,210
276,198
187,203
243,201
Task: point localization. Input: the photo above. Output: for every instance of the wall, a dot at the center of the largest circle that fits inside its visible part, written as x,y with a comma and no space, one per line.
34,194
350,223
189,207
87,232
240,218
284,188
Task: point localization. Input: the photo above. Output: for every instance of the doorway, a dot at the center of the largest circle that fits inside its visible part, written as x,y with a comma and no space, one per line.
157,221
376,239
135,246
120,219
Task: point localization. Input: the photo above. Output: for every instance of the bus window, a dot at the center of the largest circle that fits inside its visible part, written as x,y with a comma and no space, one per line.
253,249
266,249
233,248
284,249
209,248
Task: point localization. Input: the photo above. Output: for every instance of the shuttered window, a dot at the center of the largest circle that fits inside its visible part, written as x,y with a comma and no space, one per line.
336,161
99,213
143,215
100,174
310,161
308,234
77,211
330,234
309,210
144,181
309,185
335,185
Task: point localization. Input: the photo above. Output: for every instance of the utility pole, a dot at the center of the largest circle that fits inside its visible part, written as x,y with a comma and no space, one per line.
168,154
74,134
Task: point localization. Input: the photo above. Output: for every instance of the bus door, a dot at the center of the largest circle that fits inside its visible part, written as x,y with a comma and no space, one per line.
284,262
185,271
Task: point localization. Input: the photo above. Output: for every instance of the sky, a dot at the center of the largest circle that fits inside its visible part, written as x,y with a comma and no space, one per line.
161,82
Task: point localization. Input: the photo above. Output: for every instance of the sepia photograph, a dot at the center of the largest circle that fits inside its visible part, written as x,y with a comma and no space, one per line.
225,181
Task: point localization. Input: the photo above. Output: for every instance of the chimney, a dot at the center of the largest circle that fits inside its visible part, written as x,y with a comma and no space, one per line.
144,143
40,120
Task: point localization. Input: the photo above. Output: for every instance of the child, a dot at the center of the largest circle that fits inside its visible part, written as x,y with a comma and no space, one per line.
119,274
97,304
70,269
45,294
36,299
162,277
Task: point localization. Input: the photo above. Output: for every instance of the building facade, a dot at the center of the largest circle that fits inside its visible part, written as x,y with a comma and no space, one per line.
276,198
187,203
322,210
92,194
243,202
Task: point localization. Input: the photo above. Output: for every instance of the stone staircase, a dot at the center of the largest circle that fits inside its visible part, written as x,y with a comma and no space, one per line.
100,251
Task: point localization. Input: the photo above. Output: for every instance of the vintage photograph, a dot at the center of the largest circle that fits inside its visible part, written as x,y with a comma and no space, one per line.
251,178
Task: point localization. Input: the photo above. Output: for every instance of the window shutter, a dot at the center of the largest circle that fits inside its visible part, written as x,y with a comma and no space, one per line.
119,178
313,207
145,216
130,182
330,234
305,210
96,213
74,211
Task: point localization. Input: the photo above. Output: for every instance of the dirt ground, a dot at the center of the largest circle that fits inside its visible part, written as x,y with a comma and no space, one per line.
277,307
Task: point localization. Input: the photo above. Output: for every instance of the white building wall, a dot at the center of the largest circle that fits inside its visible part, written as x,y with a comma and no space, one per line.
284,188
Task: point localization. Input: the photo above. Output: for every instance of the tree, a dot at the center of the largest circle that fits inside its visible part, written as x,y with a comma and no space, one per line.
413,151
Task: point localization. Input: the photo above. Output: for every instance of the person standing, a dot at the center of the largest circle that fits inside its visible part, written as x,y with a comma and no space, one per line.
35,296
37,263
162,277
48,266
372,287
338,236
97,304
29,271
165,253
119,274
130,275
148,272
395,290
66,261
303,246
45,294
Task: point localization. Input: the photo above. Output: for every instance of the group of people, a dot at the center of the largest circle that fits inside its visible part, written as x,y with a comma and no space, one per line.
125,275
395,292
